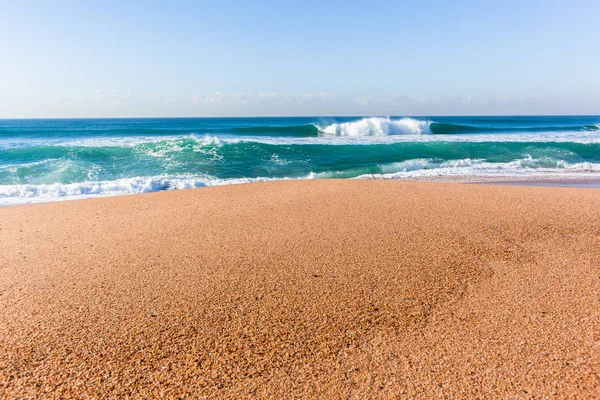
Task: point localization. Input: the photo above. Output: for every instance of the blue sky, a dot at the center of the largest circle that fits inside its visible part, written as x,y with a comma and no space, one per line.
228,58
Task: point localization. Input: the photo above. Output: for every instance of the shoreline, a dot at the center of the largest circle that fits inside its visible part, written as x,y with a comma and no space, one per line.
574,182
535,180
314,288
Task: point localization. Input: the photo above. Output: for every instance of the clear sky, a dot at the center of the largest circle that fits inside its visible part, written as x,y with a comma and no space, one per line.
226,58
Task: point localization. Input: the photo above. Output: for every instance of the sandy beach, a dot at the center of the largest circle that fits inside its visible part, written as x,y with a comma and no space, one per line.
304,289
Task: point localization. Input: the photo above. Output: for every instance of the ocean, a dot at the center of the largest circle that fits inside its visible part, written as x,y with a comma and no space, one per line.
59,159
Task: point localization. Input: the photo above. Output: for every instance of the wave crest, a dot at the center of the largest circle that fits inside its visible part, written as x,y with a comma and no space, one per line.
378,126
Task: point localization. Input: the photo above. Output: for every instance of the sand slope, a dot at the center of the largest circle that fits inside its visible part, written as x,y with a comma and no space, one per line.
329,289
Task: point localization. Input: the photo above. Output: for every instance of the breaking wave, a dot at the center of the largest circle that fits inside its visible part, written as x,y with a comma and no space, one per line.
29,193
50,160
377,126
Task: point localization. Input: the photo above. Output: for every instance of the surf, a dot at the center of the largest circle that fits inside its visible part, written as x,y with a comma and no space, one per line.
46,160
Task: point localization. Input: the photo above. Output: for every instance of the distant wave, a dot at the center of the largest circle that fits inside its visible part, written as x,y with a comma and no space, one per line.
448,129
372,128
386,126
377,126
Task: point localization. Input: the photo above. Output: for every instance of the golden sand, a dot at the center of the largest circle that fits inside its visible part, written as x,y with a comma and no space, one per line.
306,289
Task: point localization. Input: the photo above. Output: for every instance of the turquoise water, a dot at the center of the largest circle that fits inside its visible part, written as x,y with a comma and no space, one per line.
46,160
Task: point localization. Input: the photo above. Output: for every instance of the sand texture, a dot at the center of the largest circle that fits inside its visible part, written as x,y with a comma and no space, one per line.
306,289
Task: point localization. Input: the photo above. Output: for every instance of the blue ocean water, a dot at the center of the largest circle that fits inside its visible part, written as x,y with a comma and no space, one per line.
56,159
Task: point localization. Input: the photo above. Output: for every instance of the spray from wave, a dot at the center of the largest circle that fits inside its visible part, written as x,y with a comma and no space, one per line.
377,126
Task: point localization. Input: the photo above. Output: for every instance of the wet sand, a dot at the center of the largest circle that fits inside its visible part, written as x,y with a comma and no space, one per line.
304,289
580,183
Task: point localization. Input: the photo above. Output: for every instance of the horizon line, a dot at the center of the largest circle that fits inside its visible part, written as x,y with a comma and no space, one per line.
303,116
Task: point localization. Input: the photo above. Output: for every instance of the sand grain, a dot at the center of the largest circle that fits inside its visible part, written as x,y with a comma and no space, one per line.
331,289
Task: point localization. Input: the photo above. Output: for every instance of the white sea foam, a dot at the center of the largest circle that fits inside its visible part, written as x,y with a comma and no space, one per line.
277,160
477,168
29,193
429,169
131,141
559,137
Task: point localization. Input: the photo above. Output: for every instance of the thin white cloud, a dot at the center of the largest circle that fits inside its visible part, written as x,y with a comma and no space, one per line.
122,103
